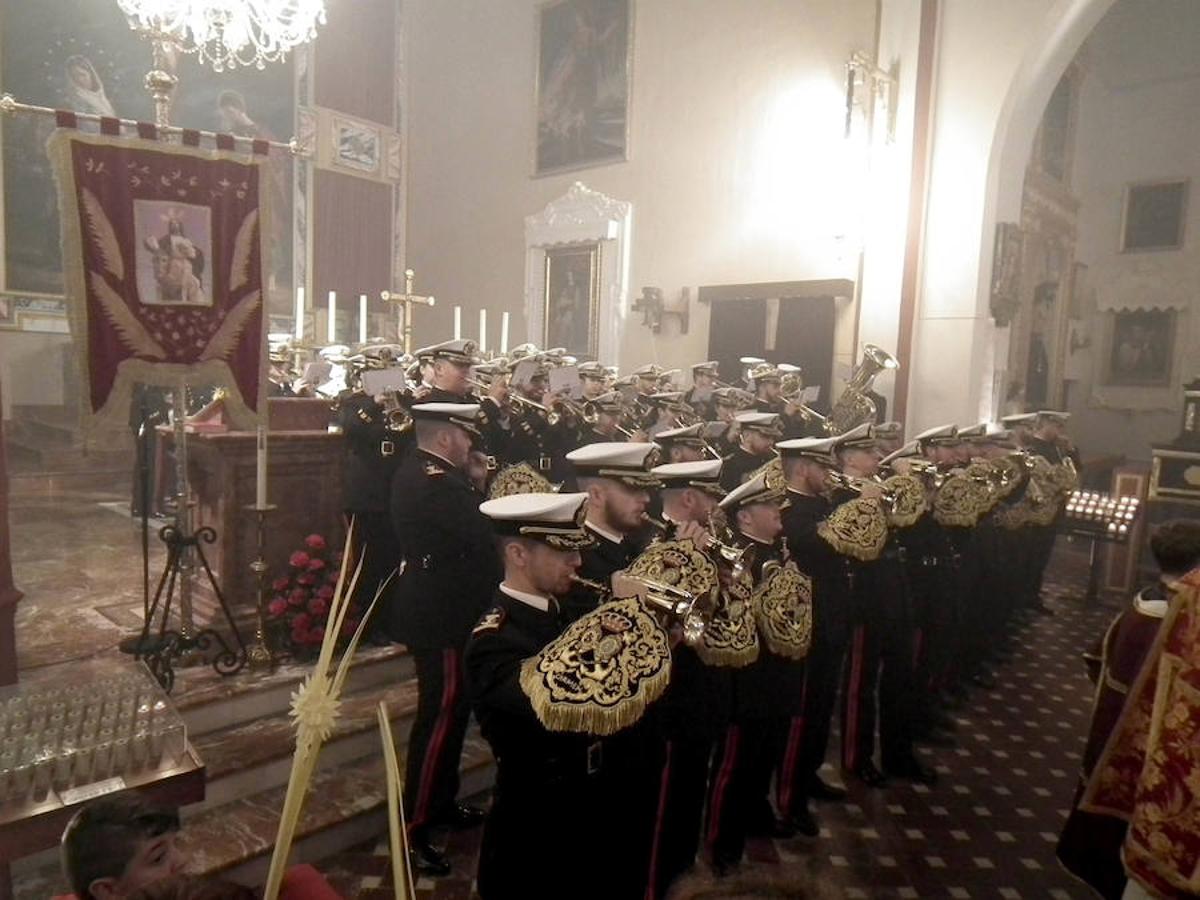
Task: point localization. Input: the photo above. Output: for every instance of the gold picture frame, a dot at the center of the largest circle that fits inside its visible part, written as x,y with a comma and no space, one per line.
571,299
1154,215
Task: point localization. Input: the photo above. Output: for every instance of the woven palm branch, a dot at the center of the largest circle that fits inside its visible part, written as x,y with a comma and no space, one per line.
239,269
132,333
101,231
221,343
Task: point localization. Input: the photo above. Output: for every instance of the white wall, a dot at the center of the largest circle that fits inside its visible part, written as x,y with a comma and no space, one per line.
737,169
1139,120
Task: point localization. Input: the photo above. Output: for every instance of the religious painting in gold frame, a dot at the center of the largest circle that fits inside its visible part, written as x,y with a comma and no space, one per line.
571,299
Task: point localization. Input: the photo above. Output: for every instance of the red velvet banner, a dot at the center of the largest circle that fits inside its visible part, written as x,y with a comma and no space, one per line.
164,263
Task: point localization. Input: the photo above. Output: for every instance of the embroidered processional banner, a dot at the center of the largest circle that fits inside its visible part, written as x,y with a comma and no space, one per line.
164,269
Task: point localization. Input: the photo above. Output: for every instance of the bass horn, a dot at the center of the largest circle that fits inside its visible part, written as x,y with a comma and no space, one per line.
854,407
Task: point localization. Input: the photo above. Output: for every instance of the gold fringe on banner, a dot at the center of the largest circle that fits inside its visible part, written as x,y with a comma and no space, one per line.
730,638
783,609
956,503
208,370
909,491
601,674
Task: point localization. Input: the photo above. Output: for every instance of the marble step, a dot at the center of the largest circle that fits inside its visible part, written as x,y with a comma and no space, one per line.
255,755
345,807
209,702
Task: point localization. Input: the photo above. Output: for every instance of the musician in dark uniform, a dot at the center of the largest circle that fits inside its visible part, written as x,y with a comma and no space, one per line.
727,403
806,463
373,452
551,830
766,694
769,398
593,380
695,710
449,368
606,427
685,444
1049,441
449,574
535,440
757,434
700,395
667,412
616,477
879,659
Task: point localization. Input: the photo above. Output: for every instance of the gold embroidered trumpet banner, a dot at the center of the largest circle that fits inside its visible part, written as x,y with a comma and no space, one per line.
164,264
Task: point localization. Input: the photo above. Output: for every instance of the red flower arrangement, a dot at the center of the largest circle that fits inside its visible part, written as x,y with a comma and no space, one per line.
300,599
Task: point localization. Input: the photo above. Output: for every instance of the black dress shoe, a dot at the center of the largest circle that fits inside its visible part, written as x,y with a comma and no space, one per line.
911,770
980,680
869,775
935,737
427,859
820,789
462,817
802,821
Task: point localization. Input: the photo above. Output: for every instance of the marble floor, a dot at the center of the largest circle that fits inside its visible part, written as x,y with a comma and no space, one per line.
77,556
986,830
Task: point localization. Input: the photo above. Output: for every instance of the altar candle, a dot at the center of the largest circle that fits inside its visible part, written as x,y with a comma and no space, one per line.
362,318
260,494
300,313
503,333
332,330
458,323
483,331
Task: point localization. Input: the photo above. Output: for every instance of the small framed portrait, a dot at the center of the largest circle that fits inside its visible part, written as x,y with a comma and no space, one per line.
356,146
1140,348
582,91
572,299
1153,216
174,253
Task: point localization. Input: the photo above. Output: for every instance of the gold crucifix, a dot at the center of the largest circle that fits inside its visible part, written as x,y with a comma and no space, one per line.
405,302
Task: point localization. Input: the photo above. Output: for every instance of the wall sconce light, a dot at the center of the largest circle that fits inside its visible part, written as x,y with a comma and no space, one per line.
654,308
871,91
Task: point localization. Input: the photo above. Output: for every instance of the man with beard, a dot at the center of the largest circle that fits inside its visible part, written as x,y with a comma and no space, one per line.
758,432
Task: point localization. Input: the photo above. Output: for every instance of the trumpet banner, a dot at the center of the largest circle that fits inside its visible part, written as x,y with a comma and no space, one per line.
163,257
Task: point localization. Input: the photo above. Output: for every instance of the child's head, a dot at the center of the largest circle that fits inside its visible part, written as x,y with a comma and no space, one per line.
117,845
1176,546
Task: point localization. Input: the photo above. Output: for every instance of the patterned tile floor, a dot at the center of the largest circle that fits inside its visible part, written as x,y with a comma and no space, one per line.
987,829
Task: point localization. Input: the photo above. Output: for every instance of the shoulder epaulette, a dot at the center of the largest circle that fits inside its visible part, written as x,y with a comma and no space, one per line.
434,469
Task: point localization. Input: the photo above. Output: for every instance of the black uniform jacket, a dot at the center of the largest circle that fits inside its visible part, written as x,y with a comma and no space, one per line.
451,566
550,821
598,563
738,465
827,568
373,453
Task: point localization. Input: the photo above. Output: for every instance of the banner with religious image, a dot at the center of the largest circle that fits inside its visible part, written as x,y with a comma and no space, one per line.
164,266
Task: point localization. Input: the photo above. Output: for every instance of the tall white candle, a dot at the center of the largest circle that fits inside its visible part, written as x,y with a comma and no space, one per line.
483,331
362,318
458,323
503,333
260,482
331,331
300,313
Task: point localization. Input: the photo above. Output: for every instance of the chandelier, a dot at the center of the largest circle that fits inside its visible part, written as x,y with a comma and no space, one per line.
227,33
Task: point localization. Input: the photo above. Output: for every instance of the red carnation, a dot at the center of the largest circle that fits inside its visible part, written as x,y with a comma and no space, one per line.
316,565
277,606
280,583
306,580
318,607
301,622
315,542
297,596
299,559
316,635
325,592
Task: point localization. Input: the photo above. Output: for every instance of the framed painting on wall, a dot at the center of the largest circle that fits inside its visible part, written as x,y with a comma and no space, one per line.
571,299
1140,347
582,89
356,145
1153,216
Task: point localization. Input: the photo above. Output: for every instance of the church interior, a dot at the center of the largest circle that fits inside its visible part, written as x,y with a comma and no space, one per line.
970,218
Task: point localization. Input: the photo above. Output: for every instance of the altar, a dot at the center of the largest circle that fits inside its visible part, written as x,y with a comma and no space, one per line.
304,482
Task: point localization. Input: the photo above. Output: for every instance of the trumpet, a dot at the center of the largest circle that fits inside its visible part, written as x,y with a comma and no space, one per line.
929,471
552,416
674,604
738,559
590,413
851,483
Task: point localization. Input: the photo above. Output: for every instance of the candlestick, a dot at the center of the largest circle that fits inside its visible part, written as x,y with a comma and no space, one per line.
299,329
458,323
503,333
259,654
483,331
260,494
362,318
332,329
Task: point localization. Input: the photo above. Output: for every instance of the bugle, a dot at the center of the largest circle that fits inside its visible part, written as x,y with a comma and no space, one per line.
857,485
674,604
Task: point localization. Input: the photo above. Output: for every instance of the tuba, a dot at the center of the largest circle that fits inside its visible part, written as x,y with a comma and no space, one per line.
854,407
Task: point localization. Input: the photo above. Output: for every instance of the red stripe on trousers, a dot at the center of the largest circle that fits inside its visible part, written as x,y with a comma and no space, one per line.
716,803
430,764
853,684
787,776
658,823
